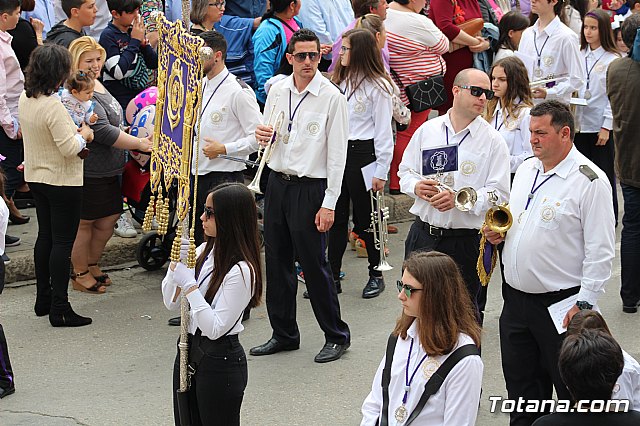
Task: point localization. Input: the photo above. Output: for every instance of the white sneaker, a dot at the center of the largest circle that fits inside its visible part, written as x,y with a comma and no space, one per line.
124,228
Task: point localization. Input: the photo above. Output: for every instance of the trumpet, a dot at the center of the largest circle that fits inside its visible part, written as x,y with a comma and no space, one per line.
552,78
498,218
267,152
379,218
464,198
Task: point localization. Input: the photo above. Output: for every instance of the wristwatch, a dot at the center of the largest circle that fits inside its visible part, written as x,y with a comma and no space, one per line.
584,305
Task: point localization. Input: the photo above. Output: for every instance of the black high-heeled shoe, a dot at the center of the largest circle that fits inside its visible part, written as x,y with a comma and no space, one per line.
17,220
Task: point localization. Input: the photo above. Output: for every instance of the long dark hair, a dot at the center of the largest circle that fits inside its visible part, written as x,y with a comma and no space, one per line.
517,87
236,238
515,21
445,306
605,32
277,6
49,66
365,62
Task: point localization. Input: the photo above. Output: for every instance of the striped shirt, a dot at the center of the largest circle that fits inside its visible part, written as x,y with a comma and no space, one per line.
416,47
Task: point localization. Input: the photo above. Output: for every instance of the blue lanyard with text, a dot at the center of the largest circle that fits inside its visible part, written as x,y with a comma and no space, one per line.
534,188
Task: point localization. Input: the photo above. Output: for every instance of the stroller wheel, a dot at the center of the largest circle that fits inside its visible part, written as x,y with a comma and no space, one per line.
150,253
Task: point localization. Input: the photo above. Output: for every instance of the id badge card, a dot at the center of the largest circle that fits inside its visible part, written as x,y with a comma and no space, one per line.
439,160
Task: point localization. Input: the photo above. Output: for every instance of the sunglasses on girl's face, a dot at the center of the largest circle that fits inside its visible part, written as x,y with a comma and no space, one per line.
208,212
302,56
407,288
478,91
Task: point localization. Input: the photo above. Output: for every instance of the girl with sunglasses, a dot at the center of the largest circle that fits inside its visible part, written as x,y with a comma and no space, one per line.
595,120
508,111
364,81
227,278
437,318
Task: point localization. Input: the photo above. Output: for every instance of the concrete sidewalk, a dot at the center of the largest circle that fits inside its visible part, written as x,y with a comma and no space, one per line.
123,250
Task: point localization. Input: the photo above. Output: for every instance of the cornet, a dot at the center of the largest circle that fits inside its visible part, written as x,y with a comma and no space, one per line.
379,218
268,151
464,198
498,217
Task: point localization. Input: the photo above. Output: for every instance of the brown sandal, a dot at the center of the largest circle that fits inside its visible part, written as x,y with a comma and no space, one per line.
102,279
97,288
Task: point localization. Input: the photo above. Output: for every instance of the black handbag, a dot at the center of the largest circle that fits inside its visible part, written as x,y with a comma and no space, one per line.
425,94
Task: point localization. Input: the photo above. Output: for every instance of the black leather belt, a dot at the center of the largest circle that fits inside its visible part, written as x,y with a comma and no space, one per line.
294,178
435,231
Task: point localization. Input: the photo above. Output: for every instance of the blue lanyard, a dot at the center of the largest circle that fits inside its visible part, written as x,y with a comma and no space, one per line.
407,383
459,143
501,124
292,116
214,92
535,44
589,70
534,188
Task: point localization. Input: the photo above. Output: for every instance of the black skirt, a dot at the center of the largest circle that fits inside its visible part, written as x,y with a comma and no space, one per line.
101,197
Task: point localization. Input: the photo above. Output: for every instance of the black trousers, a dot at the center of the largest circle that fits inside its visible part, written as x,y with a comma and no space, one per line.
464,250
205,184
602,156
290,233
359,154
218,385
13,150
6,372
530,345
58,209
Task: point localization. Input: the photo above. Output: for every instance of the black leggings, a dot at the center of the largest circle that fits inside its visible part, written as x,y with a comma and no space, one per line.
58,210
217,387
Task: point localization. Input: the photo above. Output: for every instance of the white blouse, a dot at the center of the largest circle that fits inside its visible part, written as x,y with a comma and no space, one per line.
228,305
516,133
628,384
455,403
370,116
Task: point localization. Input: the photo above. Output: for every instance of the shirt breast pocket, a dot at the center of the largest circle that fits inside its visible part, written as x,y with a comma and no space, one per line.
471,167
219,118
312,126
549,213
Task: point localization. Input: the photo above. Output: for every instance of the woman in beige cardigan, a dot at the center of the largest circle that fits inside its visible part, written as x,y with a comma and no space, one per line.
53,146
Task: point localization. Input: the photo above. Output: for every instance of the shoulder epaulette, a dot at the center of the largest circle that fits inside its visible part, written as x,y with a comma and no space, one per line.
588,172
242,83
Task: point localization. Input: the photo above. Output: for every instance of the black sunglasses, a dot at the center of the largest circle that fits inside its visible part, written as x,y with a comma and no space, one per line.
406,287
478,91
208,212
302,56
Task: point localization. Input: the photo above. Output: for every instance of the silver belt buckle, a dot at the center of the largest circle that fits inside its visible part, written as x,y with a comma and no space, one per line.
433,230
286,176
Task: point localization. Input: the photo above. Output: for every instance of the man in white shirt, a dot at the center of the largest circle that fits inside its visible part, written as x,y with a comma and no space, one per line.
482,164
311,128
561,244
551,49
228,119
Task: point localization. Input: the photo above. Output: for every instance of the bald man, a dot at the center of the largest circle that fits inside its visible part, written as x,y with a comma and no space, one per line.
459,149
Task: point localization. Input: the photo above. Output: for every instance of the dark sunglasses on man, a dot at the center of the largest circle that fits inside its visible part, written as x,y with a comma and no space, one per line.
302,56
478,91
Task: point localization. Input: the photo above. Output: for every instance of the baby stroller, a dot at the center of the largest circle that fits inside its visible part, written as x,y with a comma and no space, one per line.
154,249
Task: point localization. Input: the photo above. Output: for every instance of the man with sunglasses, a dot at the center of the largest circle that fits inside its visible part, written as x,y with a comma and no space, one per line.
309,155
482,163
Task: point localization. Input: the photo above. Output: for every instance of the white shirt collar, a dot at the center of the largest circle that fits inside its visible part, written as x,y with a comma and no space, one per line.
563,168
212,83
549,29
473,127
412,331
313,87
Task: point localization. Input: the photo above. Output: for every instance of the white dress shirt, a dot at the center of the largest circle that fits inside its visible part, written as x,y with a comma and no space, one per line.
230,116
217,318
597,114
326,18
483,164
516,133
317,143
560,55
628,384
455,403
370,115
566,237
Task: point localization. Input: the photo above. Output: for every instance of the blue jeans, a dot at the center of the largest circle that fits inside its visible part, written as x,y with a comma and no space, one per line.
630,246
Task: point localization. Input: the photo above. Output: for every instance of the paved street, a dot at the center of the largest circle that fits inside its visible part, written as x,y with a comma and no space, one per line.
117,371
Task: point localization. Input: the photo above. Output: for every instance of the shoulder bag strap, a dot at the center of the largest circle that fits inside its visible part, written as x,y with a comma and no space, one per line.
435,382
386,379
395,74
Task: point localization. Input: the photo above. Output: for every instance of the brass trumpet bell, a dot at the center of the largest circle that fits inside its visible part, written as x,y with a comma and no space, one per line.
499,218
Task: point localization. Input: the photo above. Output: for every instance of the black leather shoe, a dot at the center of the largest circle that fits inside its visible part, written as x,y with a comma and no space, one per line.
174,321
68,319
630,309
373,288
338,289
272,347
331,352
7,391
